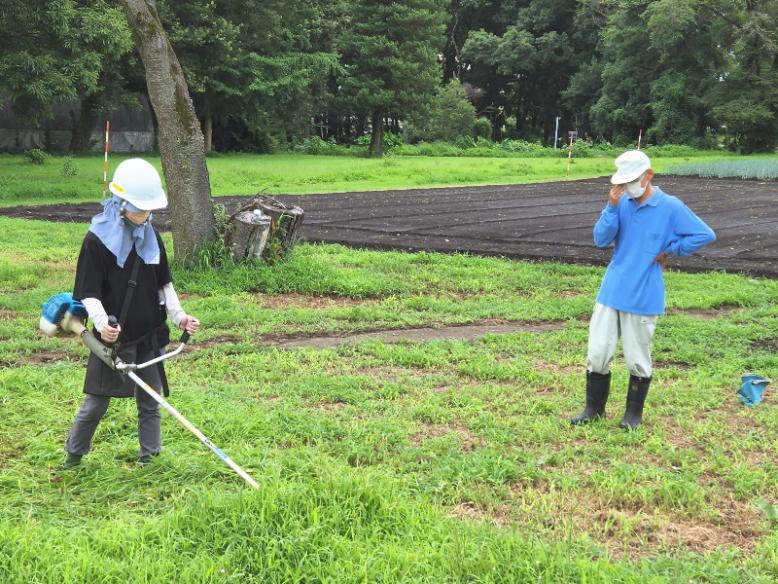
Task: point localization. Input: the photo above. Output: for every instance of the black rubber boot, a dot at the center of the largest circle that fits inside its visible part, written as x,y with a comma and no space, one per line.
147,458
636,397
597,390
71,461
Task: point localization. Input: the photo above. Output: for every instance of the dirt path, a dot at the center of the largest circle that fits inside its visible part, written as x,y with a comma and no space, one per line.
548,221
417,335
467,332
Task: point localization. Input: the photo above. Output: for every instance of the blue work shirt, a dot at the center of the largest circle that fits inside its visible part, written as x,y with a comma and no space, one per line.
633,281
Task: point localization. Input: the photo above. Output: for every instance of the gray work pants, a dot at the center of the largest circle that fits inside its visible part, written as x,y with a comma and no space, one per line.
93,409
636,332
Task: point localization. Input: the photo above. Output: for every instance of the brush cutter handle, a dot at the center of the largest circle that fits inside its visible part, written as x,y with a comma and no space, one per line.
113,322
185,338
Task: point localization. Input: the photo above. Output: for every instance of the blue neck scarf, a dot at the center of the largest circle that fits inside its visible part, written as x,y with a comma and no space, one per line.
119,234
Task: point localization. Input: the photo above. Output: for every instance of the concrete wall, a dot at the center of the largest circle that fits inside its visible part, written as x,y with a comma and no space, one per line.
132,130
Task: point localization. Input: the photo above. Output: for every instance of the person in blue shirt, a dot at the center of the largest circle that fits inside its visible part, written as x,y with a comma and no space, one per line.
645,224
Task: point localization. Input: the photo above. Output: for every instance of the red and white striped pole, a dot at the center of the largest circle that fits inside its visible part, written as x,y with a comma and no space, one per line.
105,159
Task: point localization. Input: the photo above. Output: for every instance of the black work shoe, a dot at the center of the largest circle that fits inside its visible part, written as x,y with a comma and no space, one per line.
636,397
597,389
71,461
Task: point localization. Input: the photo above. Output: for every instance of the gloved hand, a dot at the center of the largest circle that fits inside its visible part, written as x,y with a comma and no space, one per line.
189,324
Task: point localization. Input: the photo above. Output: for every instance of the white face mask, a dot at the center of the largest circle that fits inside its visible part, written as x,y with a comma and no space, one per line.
634,189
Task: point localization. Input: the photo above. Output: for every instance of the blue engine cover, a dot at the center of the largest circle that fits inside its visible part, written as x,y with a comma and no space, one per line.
55,307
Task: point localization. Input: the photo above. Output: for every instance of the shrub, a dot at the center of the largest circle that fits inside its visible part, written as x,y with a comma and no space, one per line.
37,156
672,150
482,128
68,168
450,114
316,145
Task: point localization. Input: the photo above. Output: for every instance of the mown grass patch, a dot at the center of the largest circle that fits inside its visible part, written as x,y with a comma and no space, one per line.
416,462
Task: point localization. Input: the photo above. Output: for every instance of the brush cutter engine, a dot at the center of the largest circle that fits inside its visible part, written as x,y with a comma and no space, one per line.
55,309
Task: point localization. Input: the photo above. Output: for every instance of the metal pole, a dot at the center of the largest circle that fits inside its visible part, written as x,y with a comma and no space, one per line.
569,156
556,132
640,136
105,158
189,426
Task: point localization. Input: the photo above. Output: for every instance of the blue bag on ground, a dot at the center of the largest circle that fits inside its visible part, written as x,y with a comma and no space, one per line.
752,389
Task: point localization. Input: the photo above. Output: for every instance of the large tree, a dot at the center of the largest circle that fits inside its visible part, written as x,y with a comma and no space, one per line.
181,142
260,72
55,51
745,99
661,57
390,58
531,60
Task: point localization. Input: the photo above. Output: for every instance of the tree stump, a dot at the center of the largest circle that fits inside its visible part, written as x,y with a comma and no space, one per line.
247,235
245,228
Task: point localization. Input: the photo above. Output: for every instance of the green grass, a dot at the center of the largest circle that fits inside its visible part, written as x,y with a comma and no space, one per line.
416,462
23,183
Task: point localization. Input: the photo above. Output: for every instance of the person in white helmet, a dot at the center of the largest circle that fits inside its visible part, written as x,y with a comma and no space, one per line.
645,224
123,271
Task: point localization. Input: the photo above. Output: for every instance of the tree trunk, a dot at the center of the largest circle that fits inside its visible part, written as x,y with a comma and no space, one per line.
208,132
82,127
377,136
181,142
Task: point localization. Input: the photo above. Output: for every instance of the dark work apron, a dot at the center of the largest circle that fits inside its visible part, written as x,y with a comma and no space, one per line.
102,380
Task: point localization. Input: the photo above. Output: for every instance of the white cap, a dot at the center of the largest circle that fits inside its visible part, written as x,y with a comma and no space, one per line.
138,182
629,167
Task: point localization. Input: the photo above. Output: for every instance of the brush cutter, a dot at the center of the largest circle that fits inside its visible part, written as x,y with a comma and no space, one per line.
63,314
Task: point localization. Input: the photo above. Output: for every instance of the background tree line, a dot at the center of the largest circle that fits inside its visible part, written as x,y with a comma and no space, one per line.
267,74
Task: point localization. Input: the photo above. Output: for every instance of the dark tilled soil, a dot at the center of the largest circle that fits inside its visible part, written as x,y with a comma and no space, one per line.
548,221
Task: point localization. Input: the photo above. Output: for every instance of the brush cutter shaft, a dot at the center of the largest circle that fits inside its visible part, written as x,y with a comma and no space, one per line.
189,426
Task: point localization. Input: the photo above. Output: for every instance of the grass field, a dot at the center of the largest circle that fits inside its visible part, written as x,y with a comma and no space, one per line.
444,461
78,179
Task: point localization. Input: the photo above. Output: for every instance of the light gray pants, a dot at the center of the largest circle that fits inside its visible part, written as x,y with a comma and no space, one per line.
636,332
92,411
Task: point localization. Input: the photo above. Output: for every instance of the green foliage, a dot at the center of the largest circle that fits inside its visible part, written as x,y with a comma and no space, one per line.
390,58
389,142
482,128
68,168
265,76
763,169
450,115
37,156
58,50
260,74
770,511
746,100
533,55
318,146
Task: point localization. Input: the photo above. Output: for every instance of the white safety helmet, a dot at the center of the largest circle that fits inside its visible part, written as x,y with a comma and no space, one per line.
630,166
138,182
